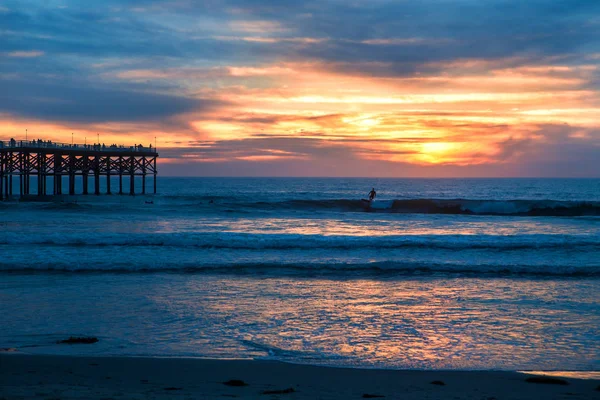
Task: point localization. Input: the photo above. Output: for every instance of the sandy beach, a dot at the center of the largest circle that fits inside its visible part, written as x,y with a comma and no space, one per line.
62,377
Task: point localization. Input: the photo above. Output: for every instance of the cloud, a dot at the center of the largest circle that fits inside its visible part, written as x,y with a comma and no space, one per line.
318,86
25,54
546,151
77,101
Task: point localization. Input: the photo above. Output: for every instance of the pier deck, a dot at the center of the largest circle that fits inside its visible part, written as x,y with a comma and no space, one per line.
48,161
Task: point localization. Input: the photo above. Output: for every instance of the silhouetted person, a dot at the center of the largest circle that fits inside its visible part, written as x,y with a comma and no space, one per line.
372,194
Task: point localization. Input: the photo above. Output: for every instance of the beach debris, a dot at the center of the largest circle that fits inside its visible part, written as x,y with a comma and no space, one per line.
371,396
546,380
284,391
439,383
8,350
77,340
173,388
235,382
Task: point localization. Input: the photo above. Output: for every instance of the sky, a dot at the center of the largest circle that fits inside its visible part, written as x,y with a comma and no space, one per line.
431,88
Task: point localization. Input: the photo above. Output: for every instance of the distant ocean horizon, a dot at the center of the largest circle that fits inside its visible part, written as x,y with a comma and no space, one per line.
590,177
450,273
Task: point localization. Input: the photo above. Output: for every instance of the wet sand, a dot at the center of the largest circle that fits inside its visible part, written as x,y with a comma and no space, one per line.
64,377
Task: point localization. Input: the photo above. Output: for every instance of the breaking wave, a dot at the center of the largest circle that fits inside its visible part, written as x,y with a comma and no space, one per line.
549,208
244,204
339,269
258,241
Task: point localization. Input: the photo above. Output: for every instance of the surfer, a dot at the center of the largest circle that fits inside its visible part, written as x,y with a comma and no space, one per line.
372,194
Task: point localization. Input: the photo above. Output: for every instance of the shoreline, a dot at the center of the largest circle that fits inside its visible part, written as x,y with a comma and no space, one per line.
575,374
100,377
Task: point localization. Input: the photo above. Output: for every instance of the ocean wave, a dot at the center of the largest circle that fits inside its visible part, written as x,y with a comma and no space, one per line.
549,208
210,204
258,241
530,208
383,269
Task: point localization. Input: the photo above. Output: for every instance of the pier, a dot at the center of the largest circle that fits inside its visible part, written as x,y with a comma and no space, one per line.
46,162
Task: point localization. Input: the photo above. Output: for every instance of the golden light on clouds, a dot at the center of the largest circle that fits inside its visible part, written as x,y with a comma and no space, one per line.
435,152
444,119
313,87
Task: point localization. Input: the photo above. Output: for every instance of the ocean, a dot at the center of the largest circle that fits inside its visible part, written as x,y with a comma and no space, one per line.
500,274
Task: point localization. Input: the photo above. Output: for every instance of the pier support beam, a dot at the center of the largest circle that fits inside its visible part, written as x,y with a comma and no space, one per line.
57,173
85,173
6,173
71,175
21,179
107,175
85,183
120,175
1,176
132,176
97,176
40,175
71,184
26,171
144,175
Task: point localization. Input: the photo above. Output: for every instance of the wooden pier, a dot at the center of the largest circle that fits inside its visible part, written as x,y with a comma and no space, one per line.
47,161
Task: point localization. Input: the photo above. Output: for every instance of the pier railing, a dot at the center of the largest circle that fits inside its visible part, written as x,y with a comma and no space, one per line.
47,144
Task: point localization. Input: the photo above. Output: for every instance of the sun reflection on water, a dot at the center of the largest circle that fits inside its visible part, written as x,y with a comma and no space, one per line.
415,323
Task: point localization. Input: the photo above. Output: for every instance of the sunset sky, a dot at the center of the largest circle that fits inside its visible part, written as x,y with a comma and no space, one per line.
432,88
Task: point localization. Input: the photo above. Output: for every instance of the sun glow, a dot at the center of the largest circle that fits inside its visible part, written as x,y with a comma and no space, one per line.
436,152
445,119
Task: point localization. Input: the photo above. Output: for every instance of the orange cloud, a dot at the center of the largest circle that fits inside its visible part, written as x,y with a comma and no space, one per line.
461,113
